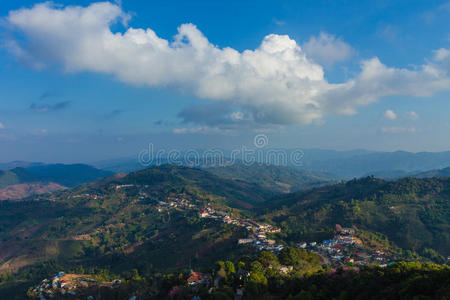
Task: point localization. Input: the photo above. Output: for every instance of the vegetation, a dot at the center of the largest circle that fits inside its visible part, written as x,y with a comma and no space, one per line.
276,178
117,226
411,213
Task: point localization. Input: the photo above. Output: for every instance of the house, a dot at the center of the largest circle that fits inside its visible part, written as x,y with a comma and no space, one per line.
275,230
195,278
339,247
349,231
362,255
286,269
302,245
204,214
244,241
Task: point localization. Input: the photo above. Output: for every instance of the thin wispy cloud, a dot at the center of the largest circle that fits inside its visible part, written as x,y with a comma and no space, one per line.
398,130
46,107
48,95
204,130
411,115
113,114
38,132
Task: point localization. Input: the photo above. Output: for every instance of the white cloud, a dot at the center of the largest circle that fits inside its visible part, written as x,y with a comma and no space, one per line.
276,83
327,49
237,115
396,130
279,22
2,126
390,115
204,130
39,132
411,115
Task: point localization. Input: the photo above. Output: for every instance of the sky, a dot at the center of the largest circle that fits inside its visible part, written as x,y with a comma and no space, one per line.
82,81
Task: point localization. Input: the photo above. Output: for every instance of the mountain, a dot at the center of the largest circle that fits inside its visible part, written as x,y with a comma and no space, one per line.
19,164
412,213
389,163
335,164
238,194
120,165
434,173
128,218
276,178
68,174
21,191
151,222
16,176
19,183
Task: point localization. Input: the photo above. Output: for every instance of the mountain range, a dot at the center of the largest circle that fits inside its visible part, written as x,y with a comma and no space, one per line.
38,178
331,163
151,220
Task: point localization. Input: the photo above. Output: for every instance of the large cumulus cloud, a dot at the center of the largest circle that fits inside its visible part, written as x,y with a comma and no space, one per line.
275,83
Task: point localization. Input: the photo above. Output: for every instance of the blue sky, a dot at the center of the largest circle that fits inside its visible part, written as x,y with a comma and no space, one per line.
331,74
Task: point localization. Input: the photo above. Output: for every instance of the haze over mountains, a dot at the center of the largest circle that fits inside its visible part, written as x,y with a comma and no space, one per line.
39,178
317,167
332,164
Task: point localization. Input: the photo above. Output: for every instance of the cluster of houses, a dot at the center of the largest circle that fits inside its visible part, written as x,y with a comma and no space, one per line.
210,281
345,248
258,231
62,286
174,202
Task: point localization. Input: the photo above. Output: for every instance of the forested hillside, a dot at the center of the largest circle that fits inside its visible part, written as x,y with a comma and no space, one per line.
277,178
412,213
172,219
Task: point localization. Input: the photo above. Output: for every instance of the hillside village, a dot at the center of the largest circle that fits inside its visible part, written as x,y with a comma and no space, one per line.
71,286
343,249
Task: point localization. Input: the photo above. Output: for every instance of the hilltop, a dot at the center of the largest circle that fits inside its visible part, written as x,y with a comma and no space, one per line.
280,179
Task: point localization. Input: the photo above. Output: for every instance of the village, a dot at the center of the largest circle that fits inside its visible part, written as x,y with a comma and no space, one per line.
345,248
70,286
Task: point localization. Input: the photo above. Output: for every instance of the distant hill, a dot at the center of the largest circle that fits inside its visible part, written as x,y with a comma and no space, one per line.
338,164
20,191
40,178
16,176
434,173
19,164
277,178
412,213
233,193
120,165
389,164
68,175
